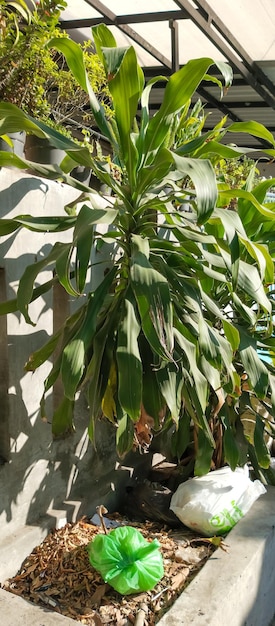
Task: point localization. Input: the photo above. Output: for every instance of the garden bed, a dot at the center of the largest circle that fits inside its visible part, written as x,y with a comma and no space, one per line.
58,576
235,587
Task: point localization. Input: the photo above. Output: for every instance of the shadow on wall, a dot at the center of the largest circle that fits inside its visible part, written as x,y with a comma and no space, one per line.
45,480
14,193
48,480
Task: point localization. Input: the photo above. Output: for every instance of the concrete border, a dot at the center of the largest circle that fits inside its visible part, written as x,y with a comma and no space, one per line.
234,588
18,612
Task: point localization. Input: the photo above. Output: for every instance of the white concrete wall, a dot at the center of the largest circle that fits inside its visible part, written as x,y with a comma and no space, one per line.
45,480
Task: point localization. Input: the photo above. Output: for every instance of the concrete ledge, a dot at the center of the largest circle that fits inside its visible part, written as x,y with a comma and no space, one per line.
16,548
18,612
234,588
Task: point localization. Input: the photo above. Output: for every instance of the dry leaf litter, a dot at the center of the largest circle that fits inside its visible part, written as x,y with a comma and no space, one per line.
58,575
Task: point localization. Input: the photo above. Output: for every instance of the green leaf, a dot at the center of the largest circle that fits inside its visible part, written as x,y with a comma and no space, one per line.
13,120
179,89
74,354
8,226
261,189
62,422
10,306
43,354
261,449
63,269
94,374
252,128
250,282
97,372
182,436
226,72
230,448
211,373
125,85
203,177
189,353
170,380
36,224
232,334
129,363
103,38
152,399
22,8
91,430
152,175
73,364
194,146
75,60
74,57
263,259
8,140
144,103
153,298
84,237
245,311
26,284
209,343
225,195
253,365
83,257
204,454
124,435
231,451
91,216
211,148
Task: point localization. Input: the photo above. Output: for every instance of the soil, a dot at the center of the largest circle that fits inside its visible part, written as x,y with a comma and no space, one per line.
58,575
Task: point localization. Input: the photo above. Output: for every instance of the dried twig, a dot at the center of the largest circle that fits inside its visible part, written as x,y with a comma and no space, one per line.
157,596
141,614
101,510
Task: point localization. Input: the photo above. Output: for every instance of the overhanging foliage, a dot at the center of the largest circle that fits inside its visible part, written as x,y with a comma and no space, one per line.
171,335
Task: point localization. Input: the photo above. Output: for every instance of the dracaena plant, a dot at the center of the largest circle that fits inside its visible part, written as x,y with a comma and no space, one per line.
171,335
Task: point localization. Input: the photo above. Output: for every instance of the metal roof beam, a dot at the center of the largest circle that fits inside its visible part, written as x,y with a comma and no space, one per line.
213,18
174,45
135,18
159,16
235,104
218,104
205,26
151,71
127,30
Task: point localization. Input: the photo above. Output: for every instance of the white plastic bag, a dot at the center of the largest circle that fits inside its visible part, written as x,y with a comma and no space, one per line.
214,503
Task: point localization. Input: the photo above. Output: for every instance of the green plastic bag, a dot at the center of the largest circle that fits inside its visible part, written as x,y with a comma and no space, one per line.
125,560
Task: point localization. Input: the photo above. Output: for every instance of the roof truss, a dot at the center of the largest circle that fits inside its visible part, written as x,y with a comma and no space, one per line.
261,89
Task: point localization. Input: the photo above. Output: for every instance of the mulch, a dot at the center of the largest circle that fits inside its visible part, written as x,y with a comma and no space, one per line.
58,575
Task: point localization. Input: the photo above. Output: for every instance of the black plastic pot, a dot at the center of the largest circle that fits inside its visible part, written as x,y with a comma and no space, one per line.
82,174
98,186
41,151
